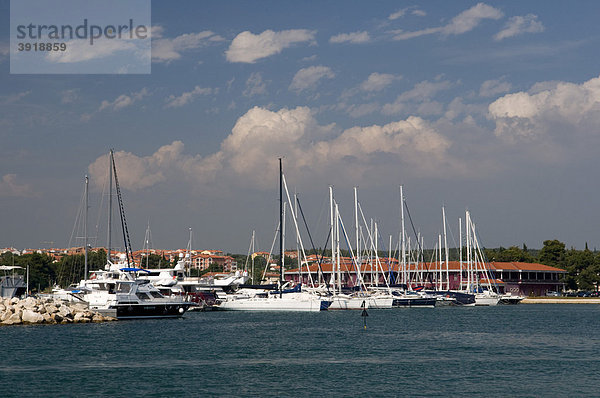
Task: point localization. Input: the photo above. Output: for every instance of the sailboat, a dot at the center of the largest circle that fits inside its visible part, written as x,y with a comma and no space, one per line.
118,290
479,281
293,299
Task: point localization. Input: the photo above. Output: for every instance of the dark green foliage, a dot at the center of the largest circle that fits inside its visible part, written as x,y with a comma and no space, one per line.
553,254
154,261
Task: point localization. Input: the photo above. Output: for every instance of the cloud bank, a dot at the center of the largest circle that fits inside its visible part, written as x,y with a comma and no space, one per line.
537,113
260,136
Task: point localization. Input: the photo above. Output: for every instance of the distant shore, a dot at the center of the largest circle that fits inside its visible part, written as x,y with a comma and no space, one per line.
561,300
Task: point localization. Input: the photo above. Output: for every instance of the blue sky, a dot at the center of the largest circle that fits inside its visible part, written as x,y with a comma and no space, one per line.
488,106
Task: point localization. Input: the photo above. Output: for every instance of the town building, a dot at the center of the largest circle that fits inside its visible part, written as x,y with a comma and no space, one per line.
526,279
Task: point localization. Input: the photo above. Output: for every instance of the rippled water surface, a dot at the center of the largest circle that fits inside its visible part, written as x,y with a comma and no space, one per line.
524,350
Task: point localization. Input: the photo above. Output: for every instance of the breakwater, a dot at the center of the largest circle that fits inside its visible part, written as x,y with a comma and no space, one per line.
31,310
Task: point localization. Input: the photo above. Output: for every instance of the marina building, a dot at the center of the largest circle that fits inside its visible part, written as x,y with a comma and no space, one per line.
525,279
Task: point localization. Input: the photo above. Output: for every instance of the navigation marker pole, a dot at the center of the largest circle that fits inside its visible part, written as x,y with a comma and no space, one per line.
364,314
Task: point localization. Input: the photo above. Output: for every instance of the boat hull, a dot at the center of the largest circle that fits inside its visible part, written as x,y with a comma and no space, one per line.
409,302
139,311
380,302
274,304
348,303
486,301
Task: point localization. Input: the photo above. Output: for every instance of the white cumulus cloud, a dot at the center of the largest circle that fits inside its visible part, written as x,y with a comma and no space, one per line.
255,85
530,115
166,50
248,48
494,87
174,101
418,99
308,78
378,81
355,38
123,100
10,187
138,172
260,136
520,24
464,22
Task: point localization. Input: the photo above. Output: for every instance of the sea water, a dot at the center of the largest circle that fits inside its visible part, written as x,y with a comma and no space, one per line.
524,350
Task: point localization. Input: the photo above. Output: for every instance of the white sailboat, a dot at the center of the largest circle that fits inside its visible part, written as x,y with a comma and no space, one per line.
479,281
294,299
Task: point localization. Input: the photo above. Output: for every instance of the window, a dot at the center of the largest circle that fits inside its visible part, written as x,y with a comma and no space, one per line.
123,288
142,296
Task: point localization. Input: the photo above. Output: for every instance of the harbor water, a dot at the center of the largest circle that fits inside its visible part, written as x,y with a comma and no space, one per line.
525,350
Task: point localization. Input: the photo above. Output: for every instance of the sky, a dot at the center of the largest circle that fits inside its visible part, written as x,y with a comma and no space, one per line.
489,106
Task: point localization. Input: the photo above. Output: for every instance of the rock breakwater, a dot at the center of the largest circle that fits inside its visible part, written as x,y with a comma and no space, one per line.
31,310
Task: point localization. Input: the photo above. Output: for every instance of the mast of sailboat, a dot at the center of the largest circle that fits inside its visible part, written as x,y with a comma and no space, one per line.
446,249
253,251
126,240
147,244
460,252
356,230
188,260
85,232
110,159
332,226
337,248
280,229
403,243
439,247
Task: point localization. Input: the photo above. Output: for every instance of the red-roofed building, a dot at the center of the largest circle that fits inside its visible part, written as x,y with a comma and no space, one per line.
517,278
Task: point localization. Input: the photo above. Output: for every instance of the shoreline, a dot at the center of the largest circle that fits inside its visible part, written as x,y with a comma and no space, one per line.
561,300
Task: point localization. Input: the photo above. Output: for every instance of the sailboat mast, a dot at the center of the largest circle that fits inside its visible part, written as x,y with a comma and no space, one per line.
280,228
446,249
356,231
337,248
332,227
253,251
403,243
110,195
460,252
85,232
376,256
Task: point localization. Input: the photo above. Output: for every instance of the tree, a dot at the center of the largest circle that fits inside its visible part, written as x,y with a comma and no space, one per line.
553,254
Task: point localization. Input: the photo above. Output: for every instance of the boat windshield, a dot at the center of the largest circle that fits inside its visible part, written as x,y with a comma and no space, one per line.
123,287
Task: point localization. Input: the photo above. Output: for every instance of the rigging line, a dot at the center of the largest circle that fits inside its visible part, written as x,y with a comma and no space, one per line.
270,252
298,237
485,260
356,265
419,243
320,219
312,243
104,186
377,262
127,242
248,255
77,222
